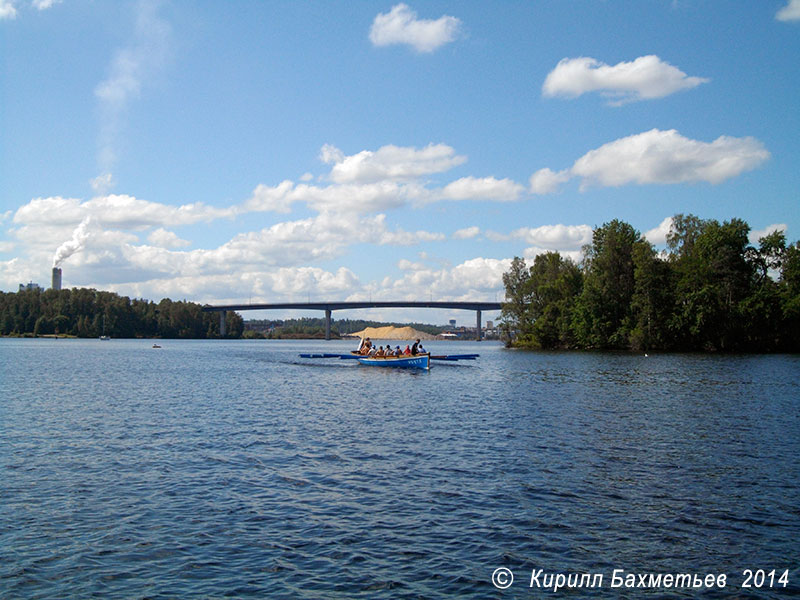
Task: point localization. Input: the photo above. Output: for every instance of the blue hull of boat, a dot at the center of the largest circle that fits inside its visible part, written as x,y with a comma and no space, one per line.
401,362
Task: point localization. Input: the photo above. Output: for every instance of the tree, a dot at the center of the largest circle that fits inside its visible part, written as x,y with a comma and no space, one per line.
790,299
603,317
652,299
555,283
517,321
713,278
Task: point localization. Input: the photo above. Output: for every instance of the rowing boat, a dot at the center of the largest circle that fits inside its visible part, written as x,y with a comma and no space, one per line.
418,361
405,361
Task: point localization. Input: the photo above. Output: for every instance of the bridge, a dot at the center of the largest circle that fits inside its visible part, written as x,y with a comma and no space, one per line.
329,307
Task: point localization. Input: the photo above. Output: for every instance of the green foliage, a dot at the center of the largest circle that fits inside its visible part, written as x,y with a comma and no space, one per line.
711,292
604,317
542,300
85,313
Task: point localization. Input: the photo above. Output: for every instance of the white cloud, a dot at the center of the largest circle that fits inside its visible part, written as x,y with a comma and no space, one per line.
370,182
759,233
299,280
45,4
486,188
555,237
167,239
393,163
467,233
545,181
401,26
645,78
367,198
276,199
407,265
790,12
658,235
123,211
7,10
658,157
667,157
474,279
400,237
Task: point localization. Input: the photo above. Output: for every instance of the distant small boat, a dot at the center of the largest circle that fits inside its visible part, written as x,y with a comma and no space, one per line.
418,361
105,338
156,346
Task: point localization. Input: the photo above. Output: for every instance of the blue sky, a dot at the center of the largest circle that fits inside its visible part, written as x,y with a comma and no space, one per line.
293,151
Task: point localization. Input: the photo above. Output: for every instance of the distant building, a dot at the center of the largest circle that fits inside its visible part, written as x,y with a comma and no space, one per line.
453,323
29,286
56,278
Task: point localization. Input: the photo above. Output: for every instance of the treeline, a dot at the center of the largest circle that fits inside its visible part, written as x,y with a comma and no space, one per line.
315,327
710,291
90,313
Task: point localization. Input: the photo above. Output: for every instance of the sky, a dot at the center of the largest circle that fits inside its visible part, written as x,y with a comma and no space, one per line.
237,152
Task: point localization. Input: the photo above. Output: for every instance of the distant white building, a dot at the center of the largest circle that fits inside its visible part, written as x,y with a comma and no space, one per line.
27,287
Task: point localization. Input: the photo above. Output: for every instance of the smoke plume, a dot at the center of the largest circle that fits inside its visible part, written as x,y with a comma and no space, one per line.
76,244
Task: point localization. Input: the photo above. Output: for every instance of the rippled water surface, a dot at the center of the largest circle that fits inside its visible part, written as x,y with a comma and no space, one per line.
237,469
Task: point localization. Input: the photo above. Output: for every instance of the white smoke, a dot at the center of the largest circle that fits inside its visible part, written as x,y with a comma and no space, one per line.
79,238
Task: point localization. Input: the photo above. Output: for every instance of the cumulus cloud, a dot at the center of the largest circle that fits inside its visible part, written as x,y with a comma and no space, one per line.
401,26
474,279
667,157
660,157
545,181
555,237
646,78
390,163
44,4
467,233
485,188
167,239
658,235
389,178
757,234
7,10
790,12
366,198
119,210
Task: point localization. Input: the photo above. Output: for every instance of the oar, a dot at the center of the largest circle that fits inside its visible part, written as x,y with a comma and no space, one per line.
456,357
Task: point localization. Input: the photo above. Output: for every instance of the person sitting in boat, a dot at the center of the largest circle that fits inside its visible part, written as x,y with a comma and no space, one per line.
373,351
407,351
381,352
398,352
365,346
421,350
415,348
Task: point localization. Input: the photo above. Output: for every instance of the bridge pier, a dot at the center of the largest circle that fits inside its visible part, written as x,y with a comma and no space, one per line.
479,325
327,323
222,323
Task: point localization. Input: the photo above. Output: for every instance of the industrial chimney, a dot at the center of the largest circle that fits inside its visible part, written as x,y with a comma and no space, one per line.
56,278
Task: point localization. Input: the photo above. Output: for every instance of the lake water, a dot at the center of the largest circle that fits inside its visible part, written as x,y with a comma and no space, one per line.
211,469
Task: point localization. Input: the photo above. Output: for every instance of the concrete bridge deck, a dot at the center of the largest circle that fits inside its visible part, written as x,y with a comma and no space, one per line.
329,307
